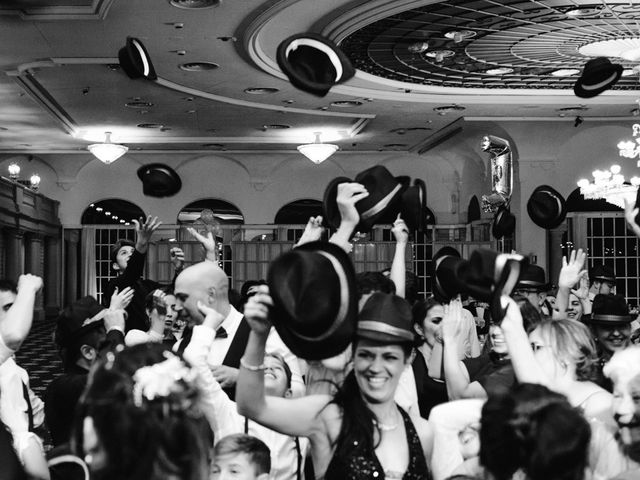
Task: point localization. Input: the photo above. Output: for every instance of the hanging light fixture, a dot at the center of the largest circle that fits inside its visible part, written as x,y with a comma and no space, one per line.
107,152
317,151
611,186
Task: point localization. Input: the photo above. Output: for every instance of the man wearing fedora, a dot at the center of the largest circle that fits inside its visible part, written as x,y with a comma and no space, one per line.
533,286
602,280
128,260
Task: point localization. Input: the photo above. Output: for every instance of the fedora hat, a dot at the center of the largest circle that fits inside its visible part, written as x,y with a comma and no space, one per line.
602,273
532,277
159,180
386,318
448,271
78,319
492,274
315,301
598,75
414,206
504,223
385,194
546,207
313,63
610,309
135,61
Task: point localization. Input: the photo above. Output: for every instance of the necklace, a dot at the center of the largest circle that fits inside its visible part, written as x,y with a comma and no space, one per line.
385,427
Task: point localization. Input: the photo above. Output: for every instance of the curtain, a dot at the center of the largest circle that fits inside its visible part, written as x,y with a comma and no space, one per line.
88,284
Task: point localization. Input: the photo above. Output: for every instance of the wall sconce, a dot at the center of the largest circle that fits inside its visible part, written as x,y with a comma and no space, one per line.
14,171
107,152
34,182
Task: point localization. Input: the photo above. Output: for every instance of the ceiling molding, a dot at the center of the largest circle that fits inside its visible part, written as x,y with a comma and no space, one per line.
439,137
93,10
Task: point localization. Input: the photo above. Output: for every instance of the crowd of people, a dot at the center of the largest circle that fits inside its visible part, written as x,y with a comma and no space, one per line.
319,372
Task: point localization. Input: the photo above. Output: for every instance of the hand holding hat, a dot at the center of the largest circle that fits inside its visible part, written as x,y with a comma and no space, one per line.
257,310
348,195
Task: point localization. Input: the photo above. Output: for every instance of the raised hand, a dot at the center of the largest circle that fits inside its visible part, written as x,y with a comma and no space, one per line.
630,213
144,231
348,195
451,324
28,282
513,317
177,257
212,318
114,319
121,300
256,311
572,270
208,242
313,231
400,230
582,292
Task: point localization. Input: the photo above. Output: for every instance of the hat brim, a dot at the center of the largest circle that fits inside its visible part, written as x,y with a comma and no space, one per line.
603,319
159,180
414,206
341,63
585,86
342,327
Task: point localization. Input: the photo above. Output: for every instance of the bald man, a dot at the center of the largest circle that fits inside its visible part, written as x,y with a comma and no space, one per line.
206,282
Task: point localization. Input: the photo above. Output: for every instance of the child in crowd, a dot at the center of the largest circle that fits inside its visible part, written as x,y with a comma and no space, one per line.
242,457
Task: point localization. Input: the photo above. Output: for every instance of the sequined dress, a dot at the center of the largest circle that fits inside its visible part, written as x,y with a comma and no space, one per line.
364,465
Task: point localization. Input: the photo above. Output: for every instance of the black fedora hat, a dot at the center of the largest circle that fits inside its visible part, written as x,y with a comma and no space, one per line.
135,60
532,278
386,318
448,271
313,63
315,299
504,223
383,201
159,180
603,273
610,309
414,206
546,207
598,75
492,274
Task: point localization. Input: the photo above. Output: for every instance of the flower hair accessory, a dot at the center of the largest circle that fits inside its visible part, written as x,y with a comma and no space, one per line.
162,379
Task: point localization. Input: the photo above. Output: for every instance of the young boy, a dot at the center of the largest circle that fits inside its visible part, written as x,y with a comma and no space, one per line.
128,259
241,457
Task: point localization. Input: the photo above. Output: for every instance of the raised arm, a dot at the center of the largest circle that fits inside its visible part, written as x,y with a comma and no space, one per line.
455,374
17,323
348,195
398,267
571,273
294,417
144,231
208,242
312,231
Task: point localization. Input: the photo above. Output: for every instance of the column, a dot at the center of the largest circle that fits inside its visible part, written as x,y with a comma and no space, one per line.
71,241
34,255
14,244
52,275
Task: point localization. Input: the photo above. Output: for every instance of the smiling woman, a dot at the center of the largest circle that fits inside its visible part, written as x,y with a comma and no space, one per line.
360,432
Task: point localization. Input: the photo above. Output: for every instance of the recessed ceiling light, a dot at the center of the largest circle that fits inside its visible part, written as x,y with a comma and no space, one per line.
448,108
275,126
150,125
194,4
565,72
138,104
260,90
113,66
440,55
346,103
198,66
460,35
3,129
499,71
582,12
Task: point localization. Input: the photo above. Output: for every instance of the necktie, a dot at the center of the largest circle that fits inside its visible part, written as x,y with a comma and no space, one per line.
221,333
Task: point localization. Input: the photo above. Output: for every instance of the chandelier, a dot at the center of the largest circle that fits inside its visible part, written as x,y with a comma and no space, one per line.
107,152
317,151
631,148
610,185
